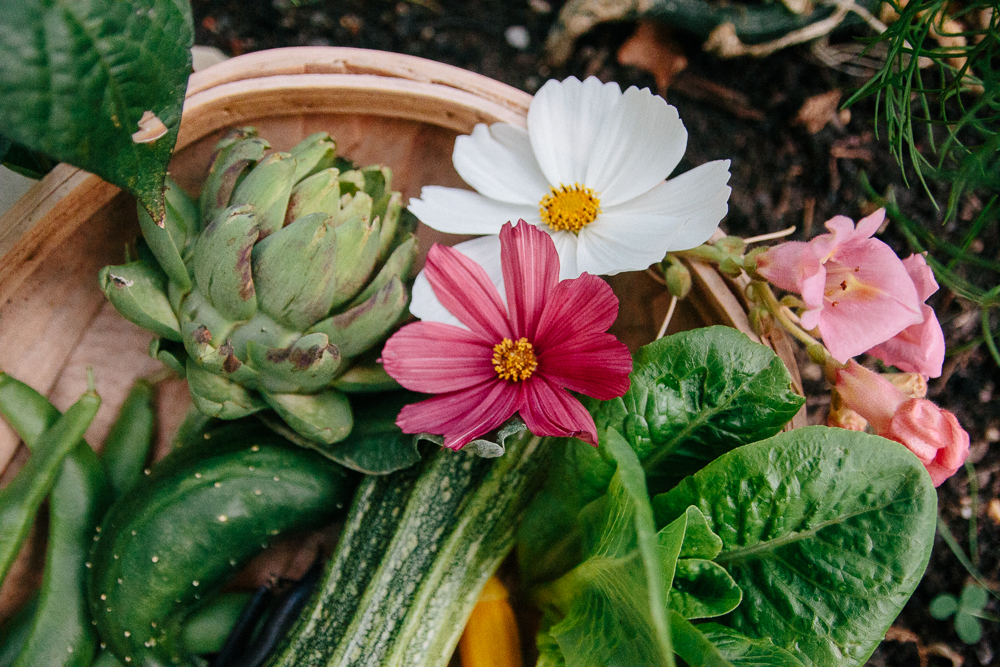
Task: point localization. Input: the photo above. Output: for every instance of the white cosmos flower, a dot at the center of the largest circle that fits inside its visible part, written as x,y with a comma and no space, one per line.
590,171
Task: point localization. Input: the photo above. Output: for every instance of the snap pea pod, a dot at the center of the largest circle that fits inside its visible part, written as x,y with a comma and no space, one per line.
127,446
19,500
60,632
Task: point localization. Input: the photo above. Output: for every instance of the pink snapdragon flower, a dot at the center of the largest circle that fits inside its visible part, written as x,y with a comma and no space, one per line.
933,434
919,348
856,290
521,357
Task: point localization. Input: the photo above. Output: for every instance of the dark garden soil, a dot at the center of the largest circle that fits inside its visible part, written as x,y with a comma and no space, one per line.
781,176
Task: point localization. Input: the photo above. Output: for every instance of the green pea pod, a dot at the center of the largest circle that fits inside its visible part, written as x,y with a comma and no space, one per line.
59,632
19,500
127,445
28,412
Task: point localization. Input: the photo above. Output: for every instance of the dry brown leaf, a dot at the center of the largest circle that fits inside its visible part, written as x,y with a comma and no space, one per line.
819,110
652,48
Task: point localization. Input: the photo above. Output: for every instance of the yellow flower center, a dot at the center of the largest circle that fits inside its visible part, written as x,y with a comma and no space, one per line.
569,208
514,361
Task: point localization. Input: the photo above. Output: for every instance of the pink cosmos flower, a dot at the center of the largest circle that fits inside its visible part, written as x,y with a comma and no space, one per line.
521,357
931,433
919,348
856,290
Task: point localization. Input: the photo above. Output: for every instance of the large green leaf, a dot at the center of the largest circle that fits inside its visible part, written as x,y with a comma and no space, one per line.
826,531
77,77
696,395
611,609
745,652
549,538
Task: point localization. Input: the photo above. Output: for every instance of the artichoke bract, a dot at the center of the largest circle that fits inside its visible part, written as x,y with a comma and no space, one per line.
265,292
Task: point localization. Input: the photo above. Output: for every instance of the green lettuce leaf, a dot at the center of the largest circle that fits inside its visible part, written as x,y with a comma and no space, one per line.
826,531
610,610
696,395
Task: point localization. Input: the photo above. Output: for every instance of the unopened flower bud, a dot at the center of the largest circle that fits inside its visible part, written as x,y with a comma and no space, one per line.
678,280
750,263
730,267
731,245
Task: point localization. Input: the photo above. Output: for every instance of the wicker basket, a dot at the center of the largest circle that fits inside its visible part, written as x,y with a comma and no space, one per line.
401,111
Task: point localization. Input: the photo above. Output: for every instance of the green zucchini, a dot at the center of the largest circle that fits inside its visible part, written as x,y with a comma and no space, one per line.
456,527
202,513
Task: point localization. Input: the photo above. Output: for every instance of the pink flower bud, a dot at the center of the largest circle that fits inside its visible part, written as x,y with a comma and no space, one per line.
933,434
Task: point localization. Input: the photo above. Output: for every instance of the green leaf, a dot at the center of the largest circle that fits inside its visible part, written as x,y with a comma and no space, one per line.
611,607
943,606
376,446
826,531
968,628
745,652
692,645
549,540
77,77
696,395
703,589
974,598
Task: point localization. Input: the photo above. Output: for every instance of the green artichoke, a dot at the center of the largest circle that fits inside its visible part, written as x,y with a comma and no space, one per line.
266,292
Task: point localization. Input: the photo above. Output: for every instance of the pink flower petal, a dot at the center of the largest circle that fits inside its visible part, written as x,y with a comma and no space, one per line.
595,364
921,275
918,348
549,410
433,358
868,225
530,272
782,265
576,307
868,299
462,416
465,289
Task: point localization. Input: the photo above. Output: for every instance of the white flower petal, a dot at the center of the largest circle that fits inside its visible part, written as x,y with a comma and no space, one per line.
623,243
697,200
457,211
498,162
485,251
564,120
566,247
638,146
424,304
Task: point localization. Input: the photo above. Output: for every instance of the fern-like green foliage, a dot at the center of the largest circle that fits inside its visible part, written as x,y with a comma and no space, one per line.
938,95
